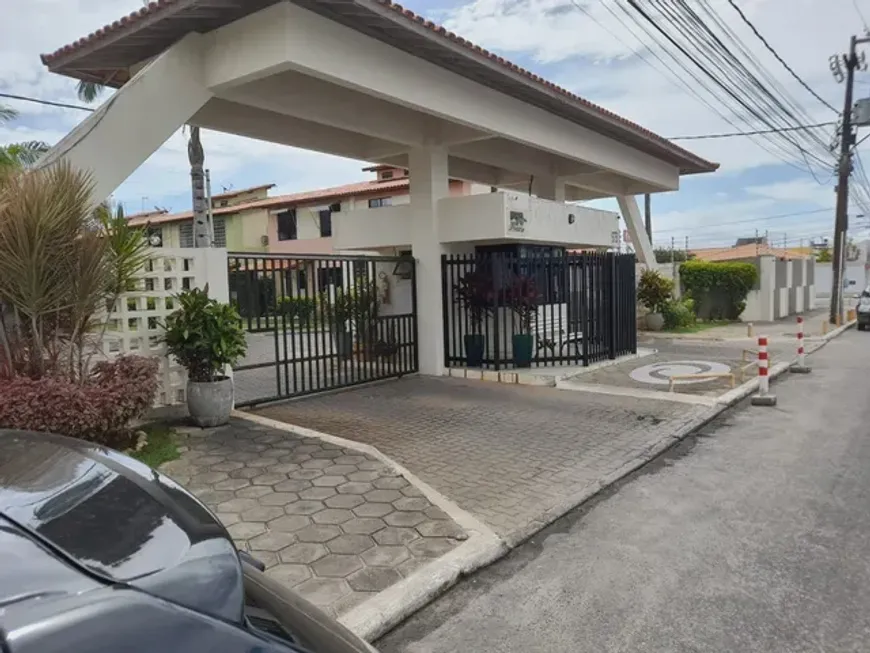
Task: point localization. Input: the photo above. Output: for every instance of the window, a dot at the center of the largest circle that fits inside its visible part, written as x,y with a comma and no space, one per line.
287,225
335,208
379,202
328,277
154,236
325,223
302,279
387,175
185,233
219,226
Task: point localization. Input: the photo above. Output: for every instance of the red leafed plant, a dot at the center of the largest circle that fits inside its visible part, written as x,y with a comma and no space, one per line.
99,411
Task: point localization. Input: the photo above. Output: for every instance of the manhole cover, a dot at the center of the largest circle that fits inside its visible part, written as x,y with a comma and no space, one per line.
661,373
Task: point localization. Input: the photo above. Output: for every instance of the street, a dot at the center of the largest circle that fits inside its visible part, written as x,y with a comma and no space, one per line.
753,535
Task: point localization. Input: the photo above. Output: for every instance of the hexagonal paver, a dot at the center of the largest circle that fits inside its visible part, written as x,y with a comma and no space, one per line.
347,603
372,466
441,528
305,474
296,458
332,516
411,491
434,512
262,462
294,485
317,463
345,501
207,478
269,438
350,544
355,488
317,493
328,481
227,466
268,558
271,541
323,591
265,513
289,523
210,461
245,530
326,454
339,470
336,566
283,468
304,507
228,518
365,477
386,556
303,553
232,484
245,472
352,459
213,497
318,533
373,509
363,525
411,503
307,448
392,536
278,498
253,491
373,579
237,505
382,496
390,483
405,518
268,479
410,566
290,575
431,547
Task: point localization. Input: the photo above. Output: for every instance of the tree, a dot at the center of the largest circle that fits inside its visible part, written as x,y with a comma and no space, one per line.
18,155
90,91
664,255
824,256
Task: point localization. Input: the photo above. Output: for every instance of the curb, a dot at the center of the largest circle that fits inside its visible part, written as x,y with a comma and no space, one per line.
387,609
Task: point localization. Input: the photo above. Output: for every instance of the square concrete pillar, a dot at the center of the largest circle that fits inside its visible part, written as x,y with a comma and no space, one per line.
427,169
549,188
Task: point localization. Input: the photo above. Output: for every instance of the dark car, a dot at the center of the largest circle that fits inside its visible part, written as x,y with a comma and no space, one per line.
864,310
99,552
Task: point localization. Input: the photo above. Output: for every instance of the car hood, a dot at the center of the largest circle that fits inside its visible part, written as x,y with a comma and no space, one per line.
120,520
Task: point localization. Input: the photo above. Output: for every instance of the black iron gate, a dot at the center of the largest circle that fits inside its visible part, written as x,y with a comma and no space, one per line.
319,323
503,311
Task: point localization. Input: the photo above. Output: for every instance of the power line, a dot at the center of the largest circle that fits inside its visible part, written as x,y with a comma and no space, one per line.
861,16
751,133
779,58
757,219
50,103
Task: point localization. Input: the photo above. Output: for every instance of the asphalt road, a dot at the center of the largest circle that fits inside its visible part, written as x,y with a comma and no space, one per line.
753,536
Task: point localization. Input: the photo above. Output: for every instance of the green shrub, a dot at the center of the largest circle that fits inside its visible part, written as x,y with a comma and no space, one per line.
303,309
654,291
718,288
679,314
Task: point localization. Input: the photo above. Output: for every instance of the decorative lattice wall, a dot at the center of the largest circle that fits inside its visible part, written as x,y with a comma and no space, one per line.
135,323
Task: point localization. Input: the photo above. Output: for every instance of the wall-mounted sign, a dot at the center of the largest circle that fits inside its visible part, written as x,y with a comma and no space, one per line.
517,222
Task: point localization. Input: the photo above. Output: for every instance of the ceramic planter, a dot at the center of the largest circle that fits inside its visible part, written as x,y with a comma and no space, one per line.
522,347
475,345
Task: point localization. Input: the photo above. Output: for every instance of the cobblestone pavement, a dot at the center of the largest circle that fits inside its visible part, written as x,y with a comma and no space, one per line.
506,453
335,524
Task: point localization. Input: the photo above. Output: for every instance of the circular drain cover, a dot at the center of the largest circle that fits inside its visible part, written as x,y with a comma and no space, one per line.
661,373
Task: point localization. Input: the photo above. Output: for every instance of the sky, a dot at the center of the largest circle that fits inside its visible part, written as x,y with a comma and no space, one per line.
577,44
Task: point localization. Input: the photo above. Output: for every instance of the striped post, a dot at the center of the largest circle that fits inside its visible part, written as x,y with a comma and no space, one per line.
800,365
763,398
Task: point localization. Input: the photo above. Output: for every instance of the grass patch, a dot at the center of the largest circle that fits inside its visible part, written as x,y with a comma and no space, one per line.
161,447
700,326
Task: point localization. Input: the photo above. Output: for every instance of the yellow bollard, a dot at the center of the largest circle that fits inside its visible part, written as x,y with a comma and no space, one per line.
851,315
824,326
839,319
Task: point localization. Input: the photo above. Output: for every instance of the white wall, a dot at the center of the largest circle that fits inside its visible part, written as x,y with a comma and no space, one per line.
855,278
364,228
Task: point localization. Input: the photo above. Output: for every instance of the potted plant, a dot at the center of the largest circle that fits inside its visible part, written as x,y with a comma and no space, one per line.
340,311
206,337
473,292
654,291
524,302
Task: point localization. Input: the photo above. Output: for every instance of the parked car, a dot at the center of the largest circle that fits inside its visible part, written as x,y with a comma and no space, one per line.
864,309
100,553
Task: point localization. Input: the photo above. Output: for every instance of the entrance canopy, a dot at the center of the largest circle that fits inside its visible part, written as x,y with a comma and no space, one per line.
364,79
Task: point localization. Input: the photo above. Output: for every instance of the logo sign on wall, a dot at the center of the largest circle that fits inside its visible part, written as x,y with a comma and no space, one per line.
661,373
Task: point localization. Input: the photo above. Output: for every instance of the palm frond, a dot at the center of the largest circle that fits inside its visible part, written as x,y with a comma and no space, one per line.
7,113
22,155
89,91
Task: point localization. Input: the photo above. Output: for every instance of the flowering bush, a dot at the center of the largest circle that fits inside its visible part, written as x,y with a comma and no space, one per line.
99,410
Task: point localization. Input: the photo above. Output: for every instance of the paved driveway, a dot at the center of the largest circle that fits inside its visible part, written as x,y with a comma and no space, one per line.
507,454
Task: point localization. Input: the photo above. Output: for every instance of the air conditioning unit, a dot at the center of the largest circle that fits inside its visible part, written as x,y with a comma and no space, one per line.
264,240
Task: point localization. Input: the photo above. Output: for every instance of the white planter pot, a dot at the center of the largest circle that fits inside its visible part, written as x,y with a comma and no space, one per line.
655,321
210,404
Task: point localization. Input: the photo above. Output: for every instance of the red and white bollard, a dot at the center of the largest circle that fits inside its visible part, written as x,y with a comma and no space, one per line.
763,398
800,365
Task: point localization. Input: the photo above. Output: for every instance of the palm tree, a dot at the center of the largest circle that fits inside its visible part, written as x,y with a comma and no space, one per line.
90,91
18,155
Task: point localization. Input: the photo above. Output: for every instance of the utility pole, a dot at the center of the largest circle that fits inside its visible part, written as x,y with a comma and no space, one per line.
647,215
844,169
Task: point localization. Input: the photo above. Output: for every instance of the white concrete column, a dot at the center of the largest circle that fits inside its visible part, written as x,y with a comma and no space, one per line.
549,188
427,167
634,221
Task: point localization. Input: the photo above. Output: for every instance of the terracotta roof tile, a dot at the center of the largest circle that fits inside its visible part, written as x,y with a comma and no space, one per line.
166,5
748,251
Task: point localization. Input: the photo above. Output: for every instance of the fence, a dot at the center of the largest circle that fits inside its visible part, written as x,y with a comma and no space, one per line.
319,323
502,310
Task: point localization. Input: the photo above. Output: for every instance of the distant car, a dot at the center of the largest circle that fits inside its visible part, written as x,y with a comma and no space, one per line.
98,552
864,309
